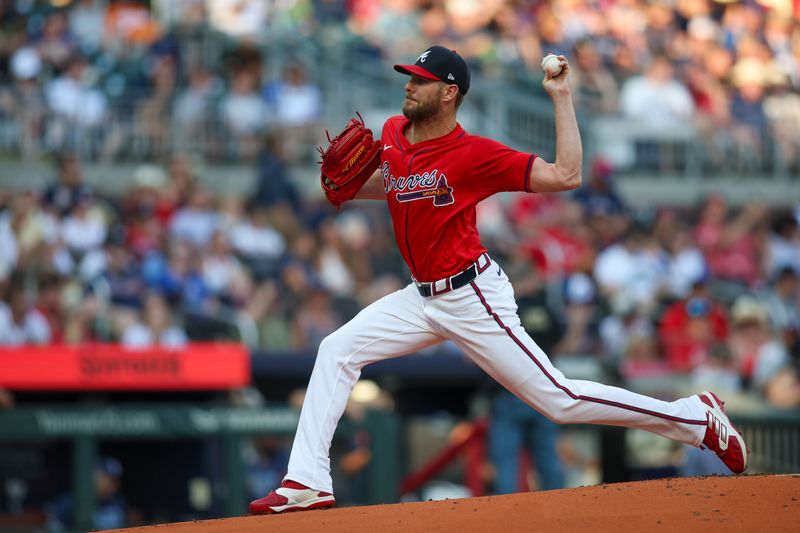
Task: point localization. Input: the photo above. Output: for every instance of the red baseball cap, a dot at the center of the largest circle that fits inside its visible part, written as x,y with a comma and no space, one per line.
441,64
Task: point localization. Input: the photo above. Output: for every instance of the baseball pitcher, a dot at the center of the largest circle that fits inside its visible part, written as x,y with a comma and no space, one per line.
432,173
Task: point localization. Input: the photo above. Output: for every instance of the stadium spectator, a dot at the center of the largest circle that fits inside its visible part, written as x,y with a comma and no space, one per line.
70,189
782,301
623,328
315,319
23,100
12,31
393,26
637,265
687,265
148,193
556,235
712,104
642,360
156,327
197,221
55,44
84,229
183,172
297,104
231,209
129,23
274,185
662,104
78,108
9,250
246,20
298,273
718,372
596,90
656,98
783,246
177,276
153,110
598,197
49,303
731,247
750,334
245,113
762,358
690,327
581,336
750,124
110,511
342,269
193,110
255,239
516,45
144,232
117,266
86,25
220,268
782,108
20,322
270,312
34,229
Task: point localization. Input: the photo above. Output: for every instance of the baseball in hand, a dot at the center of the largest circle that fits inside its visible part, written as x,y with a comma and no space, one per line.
551,65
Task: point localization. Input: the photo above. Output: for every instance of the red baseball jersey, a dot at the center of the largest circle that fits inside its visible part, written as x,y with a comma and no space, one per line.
432,188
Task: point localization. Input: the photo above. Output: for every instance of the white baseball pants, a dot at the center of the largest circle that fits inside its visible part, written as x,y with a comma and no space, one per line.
481,319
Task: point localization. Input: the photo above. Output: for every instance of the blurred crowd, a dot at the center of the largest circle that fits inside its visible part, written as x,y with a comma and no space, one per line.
75,267
710,291
111,79
127,77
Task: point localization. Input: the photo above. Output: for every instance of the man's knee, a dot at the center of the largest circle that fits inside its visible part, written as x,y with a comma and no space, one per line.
332,346
337,349
556,412
555,415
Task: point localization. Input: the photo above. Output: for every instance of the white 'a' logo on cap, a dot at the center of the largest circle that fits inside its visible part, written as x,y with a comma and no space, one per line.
423,56
450,76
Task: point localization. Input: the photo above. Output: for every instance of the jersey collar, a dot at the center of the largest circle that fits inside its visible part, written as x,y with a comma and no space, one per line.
456,132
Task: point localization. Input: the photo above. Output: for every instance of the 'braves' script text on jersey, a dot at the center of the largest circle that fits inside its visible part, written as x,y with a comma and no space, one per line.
433,187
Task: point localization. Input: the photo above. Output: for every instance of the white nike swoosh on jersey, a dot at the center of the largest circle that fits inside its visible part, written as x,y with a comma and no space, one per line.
387,146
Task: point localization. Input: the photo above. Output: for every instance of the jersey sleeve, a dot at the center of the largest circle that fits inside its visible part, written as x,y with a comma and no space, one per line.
497,168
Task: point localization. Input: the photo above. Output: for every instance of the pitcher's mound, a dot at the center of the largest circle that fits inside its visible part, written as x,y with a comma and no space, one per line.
748,503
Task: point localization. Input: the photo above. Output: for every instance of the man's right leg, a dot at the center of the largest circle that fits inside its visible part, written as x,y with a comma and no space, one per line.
394,325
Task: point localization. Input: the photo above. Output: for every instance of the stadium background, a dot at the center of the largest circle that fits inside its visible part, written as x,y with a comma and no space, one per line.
158,181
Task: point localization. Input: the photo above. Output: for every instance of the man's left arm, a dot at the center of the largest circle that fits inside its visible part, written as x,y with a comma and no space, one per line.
373,188
565,173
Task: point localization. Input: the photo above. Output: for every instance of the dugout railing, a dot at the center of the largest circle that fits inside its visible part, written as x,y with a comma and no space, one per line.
86,427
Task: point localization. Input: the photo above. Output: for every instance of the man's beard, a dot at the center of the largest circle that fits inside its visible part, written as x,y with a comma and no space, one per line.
424,110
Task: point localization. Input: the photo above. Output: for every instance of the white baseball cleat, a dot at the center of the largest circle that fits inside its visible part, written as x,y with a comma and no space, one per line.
291,496
721,437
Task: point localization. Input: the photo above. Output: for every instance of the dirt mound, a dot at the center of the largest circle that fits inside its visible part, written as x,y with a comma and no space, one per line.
747,503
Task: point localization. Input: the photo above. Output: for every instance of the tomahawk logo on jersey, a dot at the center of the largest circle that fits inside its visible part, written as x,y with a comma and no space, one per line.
418,186
432,189
441,194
